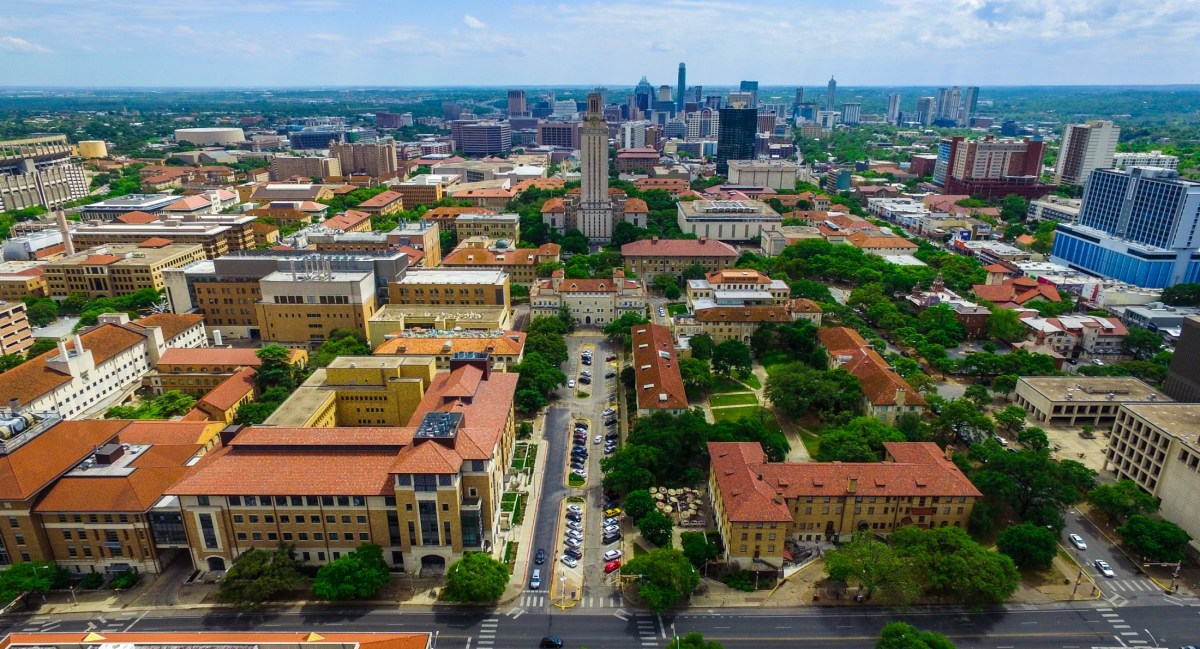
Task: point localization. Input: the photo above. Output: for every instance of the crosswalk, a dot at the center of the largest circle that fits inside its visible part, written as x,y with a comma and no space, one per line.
487,633
536,598
647,631
1133,585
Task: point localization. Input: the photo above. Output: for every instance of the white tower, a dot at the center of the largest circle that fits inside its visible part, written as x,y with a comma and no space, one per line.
595,207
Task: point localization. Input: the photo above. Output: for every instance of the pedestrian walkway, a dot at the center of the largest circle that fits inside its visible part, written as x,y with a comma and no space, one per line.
1131,585
538,598
487,633
648,631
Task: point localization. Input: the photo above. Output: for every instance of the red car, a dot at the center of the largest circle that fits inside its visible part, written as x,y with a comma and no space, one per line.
612,566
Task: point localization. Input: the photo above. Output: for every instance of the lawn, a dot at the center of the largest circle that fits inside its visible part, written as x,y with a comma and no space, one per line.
736,399
752,381
575,481
722,384
676,309
812,441
742,412
524,455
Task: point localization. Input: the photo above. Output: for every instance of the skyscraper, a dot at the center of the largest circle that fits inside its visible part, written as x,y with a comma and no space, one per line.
893,109
851,112
679,97
643,95
1085,148
925,110
970,103
752,88
797,102
516,103
830,93
1139,226
735,140
595,208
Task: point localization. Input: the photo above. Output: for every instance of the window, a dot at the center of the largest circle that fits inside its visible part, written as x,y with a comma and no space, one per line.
362,519
202,501
333,536
303,536
257,536
318,536
253,519
346,519
241,536
330,519
299,518
363,536
287,536
66,535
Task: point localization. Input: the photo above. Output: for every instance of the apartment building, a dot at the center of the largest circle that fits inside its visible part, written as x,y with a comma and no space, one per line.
452,287
376,159
591,302
426,189
425,492
1085,148
305,308
736,287
760,506
1124,159
657,380
198,371
776,174
1154,445
358,391
118,269
886,396
15,334
504,348
1079,336
1078,400
288,167
387,202
484,253
654,256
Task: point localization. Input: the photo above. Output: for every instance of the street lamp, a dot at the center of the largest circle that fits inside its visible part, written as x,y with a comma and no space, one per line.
562,590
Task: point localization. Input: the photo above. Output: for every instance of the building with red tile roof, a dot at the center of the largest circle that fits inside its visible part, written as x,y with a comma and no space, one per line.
881,244
655,256
223,402
1077,336
886,396
385,202
592,302
757,504
504,348
657,381
1015,293
349,221
482,252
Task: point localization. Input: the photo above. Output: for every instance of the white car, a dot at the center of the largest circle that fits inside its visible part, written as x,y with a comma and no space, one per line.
1077,541
609,411
597,439
573,543
575,534
571,383
1102,566
575,509
612,555
579,472
611,520
574,525
570,562
609,529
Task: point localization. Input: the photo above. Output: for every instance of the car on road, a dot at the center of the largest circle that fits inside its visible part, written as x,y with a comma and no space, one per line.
575,509
612,555
541,557
1077,541
535,580
571,383
570,562
597,439
551,642
612,566
1104,568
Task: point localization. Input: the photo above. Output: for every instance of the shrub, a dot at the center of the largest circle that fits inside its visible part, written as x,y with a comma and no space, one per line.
125,580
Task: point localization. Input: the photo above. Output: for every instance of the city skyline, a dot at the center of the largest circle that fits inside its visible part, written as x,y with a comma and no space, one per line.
306,43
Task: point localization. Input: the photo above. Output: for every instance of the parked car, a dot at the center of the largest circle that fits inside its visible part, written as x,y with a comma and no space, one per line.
610,357
575,534
609,411
612,555
612,520
609,375
571,383
1077,541
612,566
1104,568
570,562
541,557
610,539
572,516
612,511
579,472
575,509
574,553
575,525
585,380
573,543
610,529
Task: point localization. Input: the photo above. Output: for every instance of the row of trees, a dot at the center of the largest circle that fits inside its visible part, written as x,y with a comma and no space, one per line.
539,373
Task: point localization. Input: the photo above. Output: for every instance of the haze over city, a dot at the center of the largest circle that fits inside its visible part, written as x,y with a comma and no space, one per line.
222,43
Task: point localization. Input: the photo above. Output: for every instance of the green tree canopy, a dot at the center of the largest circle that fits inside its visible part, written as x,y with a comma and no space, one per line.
258,576
859,440
697,548
877,568
1006,325
952,564
637,504
1142,344
1122,500
354,575
1028,545
28,577
796,388
666,576
537,379
732,356
899,635
341,342
697,376
476,577
621,329
1154,539
656,528
702,346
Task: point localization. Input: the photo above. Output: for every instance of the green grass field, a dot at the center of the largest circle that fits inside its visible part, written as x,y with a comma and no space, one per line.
752,381
735,399
742,412
722,385
575,481
676,309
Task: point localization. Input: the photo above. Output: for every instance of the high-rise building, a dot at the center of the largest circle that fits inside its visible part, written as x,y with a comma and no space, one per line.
993,167
970,103
643,95
851,112
564,134
680,99
486,138
1151,159
1085,148
735,141
752,88
376,159
830,93
1138,226
703,123
39,171
741,99
893,109
595,207
949,102
925,110
797,101
633,134
516,103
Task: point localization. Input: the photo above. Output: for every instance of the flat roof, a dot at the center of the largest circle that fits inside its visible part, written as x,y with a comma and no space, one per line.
440,276
134,201
1093,388
483,313
1180,419
336,276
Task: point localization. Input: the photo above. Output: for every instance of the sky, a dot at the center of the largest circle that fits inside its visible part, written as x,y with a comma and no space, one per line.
274,43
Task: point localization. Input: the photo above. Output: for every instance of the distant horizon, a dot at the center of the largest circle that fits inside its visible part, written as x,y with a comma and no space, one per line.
474,43
592,86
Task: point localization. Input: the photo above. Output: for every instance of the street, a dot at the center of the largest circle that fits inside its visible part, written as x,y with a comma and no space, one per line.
1076,626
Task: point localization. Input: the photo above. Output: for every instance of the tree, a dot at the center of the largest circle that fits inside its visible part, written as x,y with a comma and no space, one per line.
1153,539
963,419
1141,343
621,329
9,361
656,528
27,577
875,566
40,346
545,269
1005,384
354,575
41,311
898,635
940,325
1028,545
732,356
275,369
859,440
1031,482
341,342
1184,294
550,346
1034,438
1006,325
662,281
574,242
978,393
260,575
548,324
697,376
665,576
638,503
1011,418
1122,500
702,346
476,577
795,388
694,641
537,378
952,564
697,548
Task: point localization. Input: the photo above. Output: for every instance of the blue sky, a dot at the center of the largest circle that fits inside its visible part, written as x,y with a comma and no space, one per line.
514,42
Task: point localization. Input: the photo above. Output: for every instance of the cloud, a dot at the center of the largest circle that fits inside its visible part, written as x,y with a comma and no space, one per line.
473,22
15,44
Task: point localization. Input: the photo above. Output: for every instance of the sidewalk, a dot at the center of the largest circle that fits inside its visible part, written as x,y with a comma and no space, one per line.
524,535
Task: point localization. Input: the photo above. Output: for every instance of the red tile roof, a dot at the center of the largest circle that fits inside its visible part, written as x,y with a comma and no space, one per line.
38,462
137,218
555,204
231,390
189,204
657,381
154,471
758,313
100,260
746,498
382,199
273,473
211,356
427,457
636,206
172,324
879,384
34,378
1016,291
679,248
155,242
864,240
346,220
